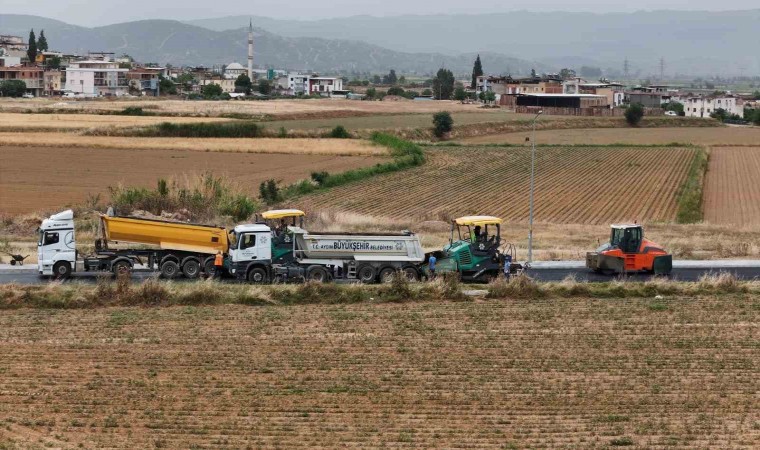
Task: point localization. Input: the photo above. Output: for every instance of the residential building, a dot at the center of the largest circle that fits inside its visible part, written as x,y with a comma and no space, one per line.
647,99
563,100
325,85
704,105
293,83
613,91
146,79
53,83
32,76
7,60
14,46
227,84
511,86
96,78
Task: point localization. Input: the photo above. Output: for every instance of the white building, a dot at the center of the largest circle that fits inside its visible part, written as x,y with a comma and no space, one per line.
703,106
96,78
234,70
293,83
325,85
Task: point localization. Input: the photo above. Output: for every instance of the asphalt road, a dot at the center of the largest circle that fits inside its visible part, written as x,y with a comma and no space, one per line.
548,271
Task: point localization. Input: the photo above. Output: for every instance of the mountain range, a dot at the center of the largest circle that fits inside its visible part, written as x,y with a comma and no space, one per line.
695,43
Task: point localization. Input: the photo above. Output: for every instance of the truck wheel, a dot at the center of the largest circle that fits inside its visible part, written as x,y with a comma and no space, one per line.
121,269
191,269
208,267
411,274
257,275
318,274
366,274
386,275
169,269
62,270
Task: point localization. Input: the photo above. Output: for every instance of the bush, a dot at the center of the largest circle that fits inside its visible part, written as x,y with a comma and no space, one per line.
270,192
442,123
12,88
340,132
238,129
396,90
319,177
204,197
211,91
134,111
633,114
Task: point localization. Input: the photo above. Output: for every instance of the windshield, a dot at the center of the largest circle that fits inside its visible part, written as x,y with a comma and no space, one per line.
40,237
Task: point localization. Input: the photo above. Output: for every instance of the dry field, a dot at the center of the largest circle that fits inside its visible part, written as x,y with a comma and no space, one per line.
313,107
589,185
73,122
47,178
732,186
296,146
645,136
580,373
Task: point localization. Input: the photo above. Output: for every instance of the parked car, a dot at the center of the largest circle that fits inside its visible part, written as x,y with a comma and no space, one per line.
28,95
671,113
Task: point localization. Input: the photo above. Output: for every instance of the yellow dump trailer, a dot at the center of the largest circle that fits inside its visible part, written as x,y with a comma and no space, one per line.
166,235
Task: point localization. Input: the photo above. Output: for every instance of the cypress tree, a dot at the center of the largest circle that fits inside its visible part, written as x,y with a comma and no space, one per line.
42,44
31,53
477,70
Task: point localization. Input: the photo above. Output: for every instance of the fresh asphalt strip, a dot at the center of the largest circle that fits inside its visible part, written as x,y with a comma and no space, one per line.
542,271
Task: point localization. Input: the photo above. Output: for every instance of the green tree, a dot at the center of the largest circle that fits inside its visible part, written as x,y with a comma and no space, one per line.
567,74
243,84
633,114
166,86
443,84
533,73
371,93
31,52
402,80
186,80
460,94
489,97
720,114
54,63
340,132
442,123
265,87
391,78
477,70
396,90
376,79
755,117
675,106
211,90
427,93
756,95
42,44
12,88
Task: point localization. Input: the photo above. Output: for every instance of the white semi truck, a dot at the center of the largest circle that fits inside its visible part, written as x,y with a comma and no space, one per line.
255,252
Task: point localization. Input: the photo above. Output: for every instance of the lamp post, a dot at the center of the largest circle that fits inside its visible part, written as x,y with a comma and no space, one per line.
532,184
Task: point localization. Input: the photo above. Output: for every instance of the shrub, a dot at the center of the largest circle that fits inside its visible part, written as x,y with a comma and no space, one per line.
520,286
442,123
239,129
134,111
203,197
319,177
270,192
211,91
633,114
340,132
12,88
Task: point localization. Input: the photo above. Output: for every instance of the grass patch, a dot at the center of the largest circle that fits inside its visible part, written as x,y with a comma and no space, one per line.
238,129
405,155
690,192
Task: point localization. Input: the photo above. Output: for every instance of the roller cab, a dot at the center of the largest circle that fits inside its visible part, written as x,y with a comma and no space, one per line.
628,251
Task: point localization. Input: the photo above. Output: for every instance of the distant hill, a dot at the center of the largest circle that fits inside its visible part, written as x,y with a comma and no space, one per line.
691,42
168,41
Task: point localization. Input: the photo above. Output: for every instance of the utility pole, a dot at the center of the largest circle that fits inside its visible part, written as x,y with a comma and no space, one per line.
532,185
626,68
662,69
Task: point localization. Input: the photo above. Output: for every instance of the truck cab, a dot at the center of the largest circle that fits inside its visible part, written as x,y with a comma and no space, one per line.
251,253
56,245
280,221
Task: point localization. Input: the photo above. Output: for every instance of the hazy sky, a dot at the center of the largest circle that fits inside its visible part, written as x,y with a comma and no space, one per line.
99,12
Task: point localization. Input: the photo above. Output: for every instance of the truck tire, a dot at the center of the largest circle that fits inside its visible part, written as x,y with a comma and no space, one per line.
191,268
317,274
386,275
366,274
258,275
121,269
208,267
62,270
411,274
169,269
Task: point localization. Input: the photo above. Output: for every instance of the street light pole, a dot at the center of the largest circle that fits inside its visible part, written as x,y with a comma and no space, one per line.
532,184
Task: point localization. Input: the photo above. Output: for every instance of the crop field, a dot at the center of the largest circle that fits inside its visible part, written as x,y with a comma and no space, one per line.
640,136
589,185
296,146
732,186
676,373
315,107
72,122
47,178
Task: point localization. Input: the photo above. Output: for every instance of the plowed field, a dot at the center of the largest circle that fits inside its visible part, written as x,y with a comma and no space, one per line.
42,178
732,186
592,185
569,373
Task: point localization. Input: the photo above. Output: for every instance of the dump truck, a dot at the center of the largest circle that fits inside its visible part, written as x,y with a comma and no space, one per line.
475,251
628,251
173,248
252,252
297,254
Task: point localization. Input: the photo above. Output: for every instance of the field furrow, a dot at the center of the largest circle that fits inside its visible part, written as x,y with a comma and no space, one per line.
732,190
